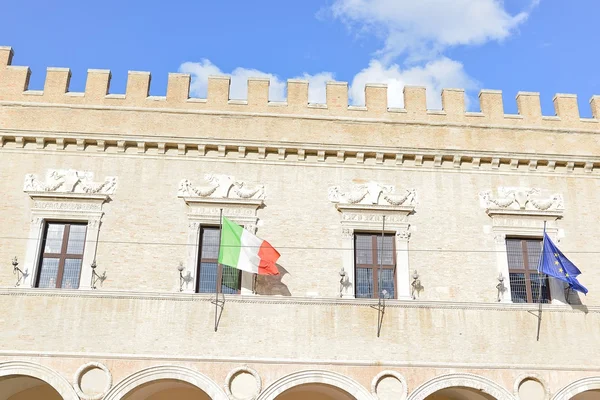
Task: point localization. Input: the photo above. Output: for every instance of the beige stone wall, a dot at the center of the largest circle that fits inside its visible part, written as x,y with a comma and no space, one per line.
143,236
325,331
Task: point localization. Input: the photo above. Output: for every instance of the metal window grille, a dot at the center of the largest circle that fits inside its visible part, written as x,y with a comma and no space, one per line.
62,255
368,248
210,271
523,258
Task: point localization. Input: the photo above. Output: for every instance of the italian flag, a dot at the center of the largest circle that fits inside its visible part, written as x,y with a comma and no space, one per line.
242,250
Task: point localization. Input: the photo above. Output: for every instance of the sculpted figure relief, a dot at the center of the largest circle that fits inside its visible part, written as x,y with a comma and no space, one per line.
221,186
515,198
372,193
69,181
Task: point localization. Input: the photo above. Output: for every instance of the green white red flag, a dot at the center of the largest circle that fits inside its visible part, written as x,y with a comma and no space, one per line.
242,250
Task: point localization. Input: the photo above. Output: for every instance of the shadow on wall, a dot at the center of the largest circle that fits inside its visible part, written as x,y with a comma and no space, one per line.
271,284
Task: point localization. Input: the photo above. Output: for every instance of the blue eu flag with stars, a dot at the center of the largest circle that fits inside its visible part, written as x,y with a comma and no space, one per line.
554,263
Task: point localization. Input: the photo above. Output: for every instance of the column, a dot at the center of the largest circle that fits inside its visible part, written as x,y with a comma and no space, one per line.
502,264
347,287
89,254
33,251
402,264
191,258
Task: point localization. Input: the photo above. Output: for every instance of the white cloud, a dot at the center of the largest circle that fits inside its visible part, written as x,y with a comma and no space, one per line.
434,75
200,71
421,29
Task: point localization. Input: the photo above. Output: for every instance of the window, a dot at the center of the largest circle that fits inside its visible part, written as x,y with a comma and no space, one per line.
523,258
368,251
62,255
209,270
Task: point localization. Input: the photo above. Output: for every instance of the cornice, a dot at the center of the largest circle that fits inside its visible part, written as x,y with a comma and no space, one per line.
295,153
281,300
88,197
493,212
193,201
492,366
374,208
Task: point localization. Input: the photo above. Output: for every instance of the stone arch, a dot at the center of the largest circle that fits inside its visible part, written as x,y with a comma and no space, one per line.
51,377
461,380
171,372
577,387
334,379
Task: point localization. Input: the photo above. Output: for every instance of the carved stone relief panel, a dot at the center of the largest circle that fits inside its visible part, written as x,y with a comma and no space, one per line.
219,186
520,198
372,193
69,181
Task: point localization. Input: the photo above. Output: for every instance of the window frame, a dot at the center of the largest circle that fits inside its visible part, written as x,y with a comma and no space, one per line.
219,277
63,255
527,271
375,265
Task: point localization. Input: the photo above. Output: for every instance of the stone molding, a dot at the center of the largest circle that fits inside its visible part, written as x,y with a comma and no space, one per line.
464,380
175,372
535,377
210,148
308,301
339,381
580,386
307,362
384,374
363,207
236,371
79,373
51,377
521,212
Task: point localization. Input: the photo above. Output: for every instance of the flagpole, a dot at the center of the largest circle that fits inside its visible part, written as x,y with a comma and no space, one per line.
219,271
380,304
540,283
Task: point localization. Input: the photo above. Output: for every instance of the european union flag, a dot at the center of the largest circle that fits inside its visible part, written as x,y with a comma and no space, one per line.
554,263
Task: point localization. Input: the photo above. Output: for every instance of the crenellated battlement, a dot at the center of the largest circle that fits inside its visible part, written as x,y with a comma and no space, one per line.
14,82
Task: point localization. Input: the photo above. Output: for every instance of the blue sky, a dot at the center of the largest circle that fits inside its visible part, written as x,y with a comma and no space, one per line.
547,46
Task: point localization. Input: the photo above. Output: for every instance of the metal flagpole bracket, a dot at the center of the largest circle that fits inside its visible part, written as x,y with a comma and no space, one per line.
95,277
21,275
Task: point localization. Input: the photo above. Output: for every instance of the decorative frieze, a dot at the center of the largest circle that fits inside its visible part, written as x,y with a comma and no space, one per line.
372,193
69,181
221,187
519,198
66,205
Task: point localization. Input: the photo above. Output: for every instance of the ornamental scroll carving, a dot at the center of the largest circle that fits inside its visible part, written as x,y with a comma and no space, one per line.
69,181
518,198
221,187
373,193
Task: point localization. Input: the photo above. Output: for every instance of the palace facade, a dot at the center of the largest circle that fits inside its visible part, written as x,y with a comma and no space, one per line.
409,242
